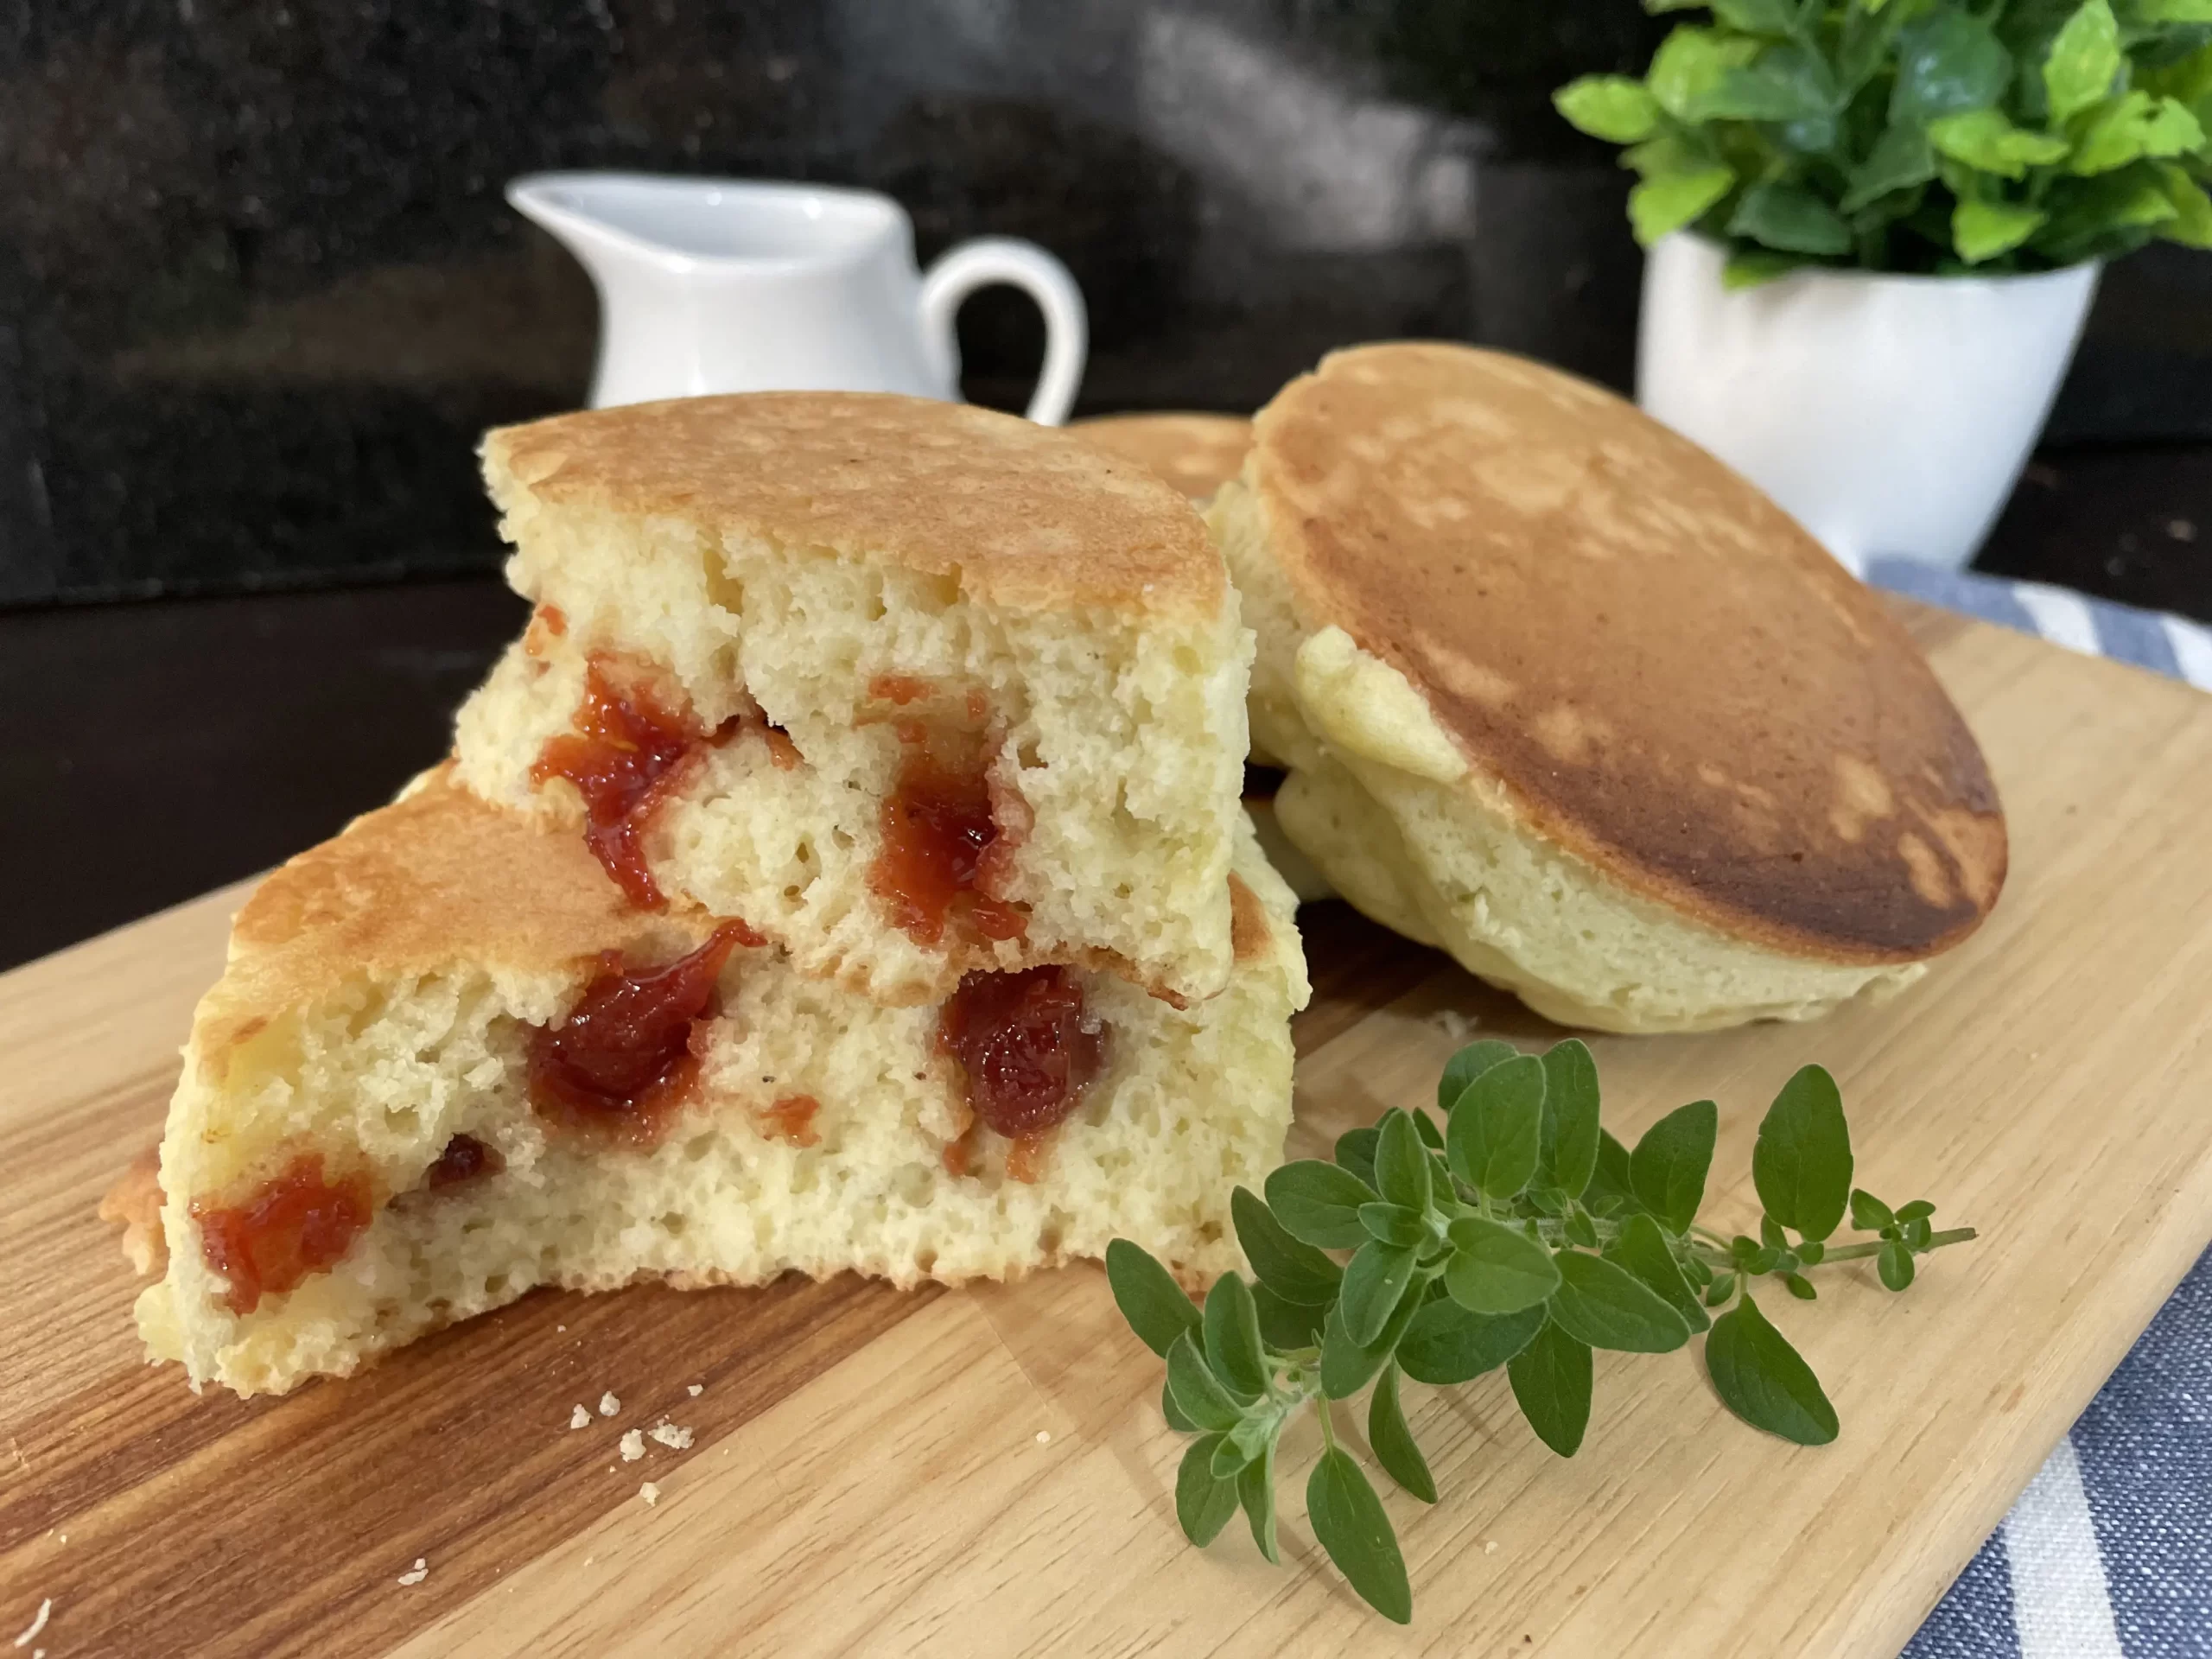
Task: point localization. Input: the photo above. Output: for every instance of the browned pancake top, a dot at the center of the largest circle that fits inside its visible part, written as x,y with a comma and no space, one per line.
1668,676
1197,454
1022,514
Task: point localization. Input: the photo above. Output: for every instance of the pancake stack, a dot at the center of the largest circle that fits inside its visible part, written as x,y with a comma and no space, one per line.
1563,696
844,871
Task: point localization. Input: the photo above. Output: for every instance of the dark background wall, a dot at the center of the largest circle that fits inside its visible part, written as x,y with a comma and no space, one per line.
259,292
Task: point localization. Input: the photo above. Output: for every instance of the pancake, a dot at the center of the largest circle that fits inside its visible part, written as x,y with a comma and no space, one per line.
1559,686
1196,453
371,1073
882,630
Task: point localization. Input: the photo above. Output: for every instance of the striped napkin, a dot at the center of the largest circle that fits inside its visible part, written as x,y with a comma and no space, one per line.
2108,1553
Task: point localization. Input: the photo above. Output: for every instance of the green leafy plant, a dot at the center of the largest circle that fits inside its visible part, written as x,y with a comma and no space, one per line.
1928,135
1520,1234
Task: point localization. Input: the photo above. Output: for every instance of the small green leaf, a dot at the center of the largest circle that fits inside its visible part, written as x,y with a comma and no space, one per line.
1802,1165
1611,107
1286,1326
1947,60
1465,1066
1868,1213
1810,1251
1294,1270
1916,1235
1750,267
1496,1128
1195,1387
1787,84
1148,1296
1551,1381
1231,1326
1984,139
1690,63
1392,1438
1722,1287
1445,1344
1762,1379
1662,205
2085,59
1401,1165
1799,1285
1868,28
2132,126
1602,1303
1319,1203
1393,1224
1757,17
1256,1490
2170,12
2105,216
1424,1125
1668,1166
1349,1520
1902,157
1642,1248
1229,1456
1203,1503
1614,1177
1355,1151
1173,1413
1568,1152
1918,1210
1580,1229
1895,1265
1545,1200
1373,1280
1771,1233
1497,1270
1346,1367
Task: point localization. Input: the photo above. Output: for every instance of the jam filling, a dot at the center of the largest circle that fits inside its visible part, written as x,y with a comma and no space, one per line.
627,1056
948,832
792,1120
627,756
1026,1048
297,1225
465,1159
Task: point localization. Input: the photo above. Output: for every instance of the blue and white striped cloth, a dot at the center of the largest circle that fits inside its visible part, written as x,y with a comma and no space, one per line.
2108,1553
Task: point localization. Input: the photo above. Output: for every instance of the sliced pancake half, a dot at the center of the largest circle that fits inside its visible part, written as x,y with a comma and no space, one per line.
449,1060
1563,693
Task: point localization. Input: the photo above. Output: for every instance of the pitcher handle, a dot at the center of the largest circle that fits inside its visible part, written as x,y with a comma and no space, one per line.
990,259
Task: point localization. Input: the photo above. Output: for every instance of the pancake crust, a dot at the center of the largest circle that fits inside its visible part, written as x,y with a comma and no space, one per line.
1023,515
1667,675
1197,454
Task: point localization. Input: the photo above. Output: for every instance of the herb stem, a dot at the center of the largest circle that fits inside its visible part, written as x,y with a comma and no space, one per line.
1873,1247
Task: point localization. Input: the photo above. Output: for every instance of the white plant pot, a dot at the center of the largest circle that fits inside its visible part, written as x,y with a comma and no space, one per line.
1888,415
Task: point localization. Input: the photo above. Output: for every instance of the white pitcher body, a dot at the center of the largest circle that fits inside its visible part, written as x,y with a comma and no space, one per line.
709,285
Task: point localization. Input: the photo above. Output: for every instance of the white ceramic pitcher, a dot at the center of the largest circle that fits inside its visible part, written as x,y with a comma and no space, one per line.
710,285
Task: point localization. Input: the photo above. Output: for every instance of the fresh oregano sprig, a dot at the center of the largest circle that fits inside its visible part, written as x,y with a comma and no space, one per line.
1521,1234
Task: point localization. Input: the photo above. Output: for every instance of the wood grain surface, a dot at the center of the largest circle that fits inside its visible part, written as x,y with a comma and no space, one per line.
985,1471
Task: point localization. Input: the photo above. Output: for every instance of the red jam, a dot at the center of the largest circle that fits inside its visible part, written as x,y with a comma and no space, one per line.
628,1056
792,1120
1026,1047
626,757
296,1225
948,837
465,1159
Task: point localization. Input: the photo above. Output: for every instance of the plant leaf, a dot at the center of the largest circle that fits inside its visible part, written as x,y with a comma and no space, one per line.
1947,60
2170,11
1602,1303
1401,1165
1496,1128
1802,1165
1762,1379
1668,1166
1374,1279
1173,1413
1497,1270
2104,216
1551,1379
1355,1151
1642,1248
1690,63
1464,1067
1789,220
1296,1271
1148,1296
1446,1345
1614,1177
1319,1204
1982,230
1568,1151
1196,1389
1918,1210
1611,107
1393,1224
1231,1326
1868,1213
1986,140
1424,1125
1895,1265
2085,59
1757,17
1722,1287
1902,157
1203,1503
1350,1522
1286,1326
1664,204
1346,1367
2131,126
1256,1490
1392,1437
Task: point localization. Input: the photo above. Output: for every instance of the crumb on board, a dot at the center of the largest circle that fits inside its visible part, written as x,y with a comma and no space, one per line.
44,1612
608,1405
650,1493
1490,1546
670,1435
1044,1437
633,1445
696,1389
1454,1024
579,1418
416,1573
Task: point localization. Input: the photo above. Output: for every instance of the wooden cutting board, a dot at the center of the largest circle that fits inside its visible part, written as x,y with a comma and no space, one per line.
986,1472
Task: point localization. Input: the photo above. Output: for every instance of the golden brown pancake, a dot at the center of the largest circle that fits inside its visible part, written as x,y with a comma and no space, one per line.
1668,677
1197,454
